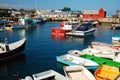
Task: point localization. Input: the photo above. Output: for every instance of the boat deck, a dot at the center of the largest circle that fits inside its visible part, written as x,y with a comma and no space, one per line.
74,34
50,74
79,76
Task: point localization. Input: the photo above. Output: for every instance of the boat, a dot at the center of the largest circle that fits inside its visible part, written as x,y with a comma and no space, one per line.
93,22
100,60
106,72
46,75
99,53
2,22
25,21
64,27
7,27
105,45
115,26
71,59
10,50
115,39
83,29
97,59
102,52
117,77
76,72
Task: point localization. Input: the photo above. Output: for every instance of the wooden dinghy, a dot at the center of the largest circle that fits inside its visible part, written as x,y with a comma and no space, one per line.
106,72
76,72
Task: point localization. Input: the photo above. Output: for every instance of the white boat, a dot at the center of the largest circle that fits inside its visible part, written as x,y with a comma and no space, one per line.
76,72
46,75
115,26
105,45
10,50
71,59
83,29
66,26
115,56
102,52
115,39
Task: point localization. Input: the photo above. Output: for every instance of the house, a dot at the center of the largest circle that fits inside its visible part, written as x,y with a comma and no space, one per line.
101,13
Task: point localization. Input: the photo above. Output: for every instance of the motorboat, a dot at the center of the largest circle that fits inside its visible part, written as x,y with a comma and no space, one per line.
12,49
64,27
83,29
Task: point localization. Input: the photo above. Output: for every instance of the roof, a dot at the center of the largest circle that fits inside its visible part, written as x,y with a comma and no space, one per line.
54,13
91,12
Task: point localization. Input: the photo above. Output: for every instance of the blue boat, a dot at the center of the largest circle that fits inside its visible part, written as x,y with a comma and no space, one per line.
71,59
116,38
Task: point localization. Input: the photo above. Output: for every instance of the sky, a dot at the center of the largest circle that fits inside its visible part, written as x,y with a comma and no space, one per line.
109,5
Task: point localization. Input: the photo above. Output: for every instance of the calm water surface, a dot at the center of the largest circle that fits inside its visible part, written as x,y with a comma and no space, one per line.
42,49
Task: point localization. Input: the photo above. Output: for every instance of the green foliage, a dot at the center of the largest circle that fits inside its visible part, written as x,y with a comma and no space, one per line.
66,9
3,11
32,11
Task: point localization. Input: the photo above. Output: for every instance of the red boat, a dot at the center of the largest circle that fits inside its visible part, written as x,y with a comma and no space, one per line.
64,27
10,50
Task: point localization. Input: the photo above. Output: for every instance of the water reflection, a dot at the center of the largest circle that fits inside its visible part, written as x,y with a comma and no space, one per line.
58,37
5,66
82,40
22,33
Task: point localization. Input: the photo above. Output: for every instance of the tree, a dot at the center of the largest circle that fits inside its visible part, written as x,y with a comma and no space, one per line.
66,9
32,11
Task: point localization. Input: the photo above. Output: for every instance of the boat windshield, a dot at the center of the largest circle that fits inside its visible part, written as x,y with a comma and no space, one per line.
84,27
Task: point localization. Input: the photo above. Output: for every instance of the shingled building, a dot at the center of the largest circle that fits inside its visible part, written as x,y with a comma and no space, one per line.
101,13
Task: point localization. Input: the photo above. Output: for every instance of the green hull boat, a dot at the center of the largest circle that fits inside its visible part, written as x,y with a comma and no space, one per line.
101,61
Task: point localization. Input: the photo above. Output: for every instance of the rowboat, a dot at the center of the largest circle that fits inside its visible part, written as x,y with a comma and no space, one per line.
112,62
76,72
116,40
100,52
106,72
101,61
103,53
10,50
105,45
71,59
46,75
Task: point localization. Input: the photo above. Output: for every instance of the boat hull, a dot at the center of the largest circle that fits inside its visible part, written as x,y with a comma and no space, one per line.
101,61
81,33
76,72
78,61
106,72
12,53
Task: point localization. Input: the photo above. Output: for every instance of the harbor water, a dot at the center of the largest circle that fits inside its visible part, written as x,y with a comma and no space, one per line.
42,48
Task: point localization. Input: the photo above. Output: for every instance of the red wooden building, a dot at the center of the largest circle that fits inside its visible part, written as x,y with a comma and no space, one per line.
101,13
